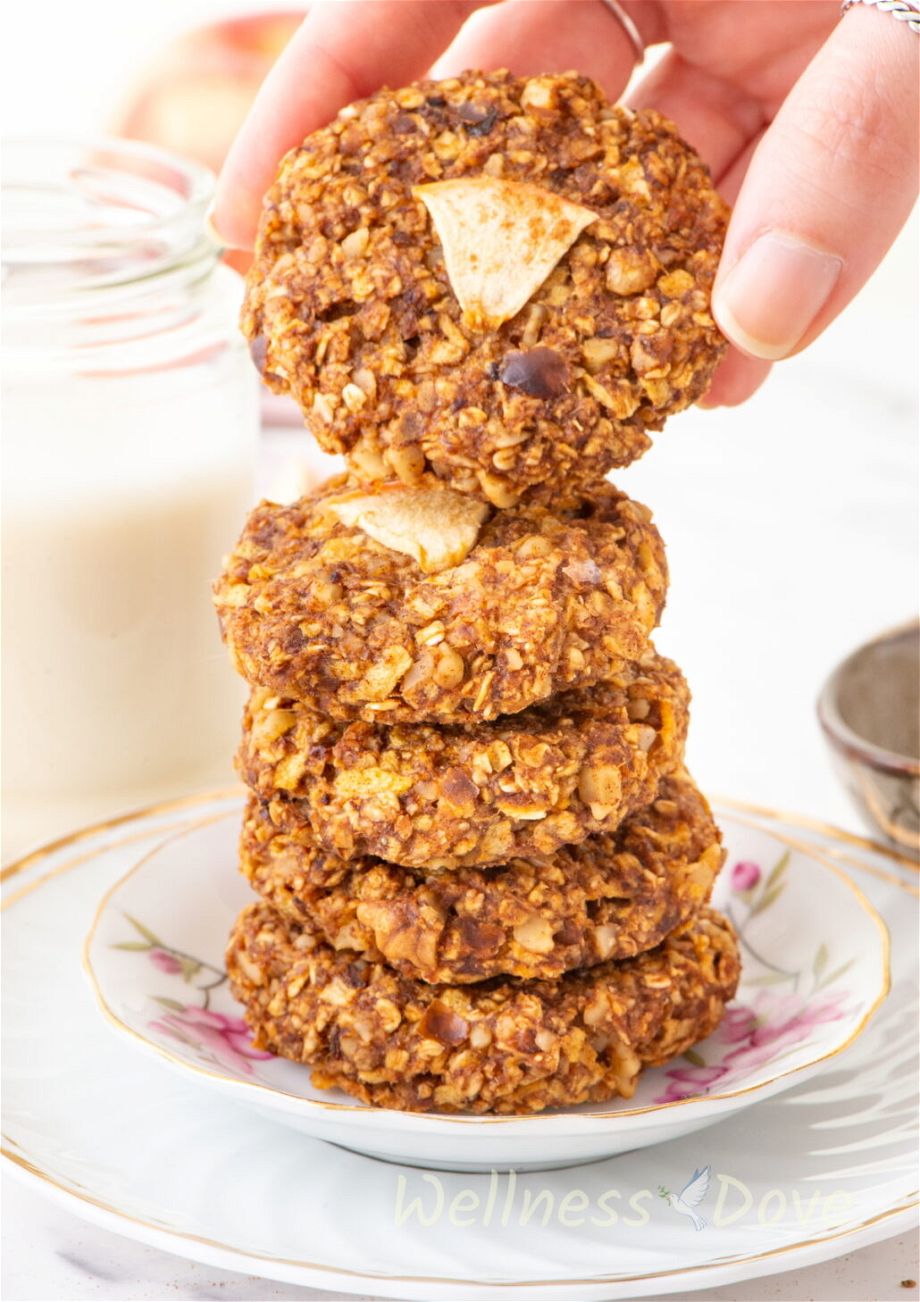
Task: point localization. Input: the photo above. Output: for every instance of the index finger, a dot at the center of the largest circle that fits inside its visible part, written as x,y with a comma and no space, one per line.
341,52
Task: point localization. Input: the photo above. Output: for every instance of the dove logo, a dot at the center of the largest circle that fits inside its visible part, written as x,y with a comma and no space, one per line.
690,1197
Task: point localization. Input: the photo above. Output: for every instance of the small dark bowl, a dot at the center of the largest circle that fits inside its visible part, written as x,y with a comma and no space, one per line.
870,712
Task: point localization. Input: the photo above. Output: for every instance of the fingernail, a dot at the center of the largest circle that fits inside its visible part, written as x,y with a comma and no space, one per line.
773,293
211,230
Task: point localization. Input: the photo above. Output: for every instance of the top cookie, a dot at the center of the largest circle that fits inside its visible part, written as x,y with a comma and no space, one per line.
499,282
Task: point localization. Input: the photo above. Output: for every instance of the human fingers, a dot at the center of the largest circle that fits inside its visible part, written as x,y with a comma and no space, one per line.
737,377
341,52
558,34
543,36
716,116
826,192
731,66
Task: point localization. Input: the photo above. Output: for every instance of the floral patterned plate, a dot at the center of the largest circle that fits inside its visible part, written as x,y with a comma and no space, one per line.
130,1144
815,970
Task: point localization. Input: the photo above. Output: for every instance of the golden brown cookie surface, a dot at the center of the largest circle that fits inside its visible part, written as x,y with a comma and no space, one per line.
358,303
610,898
513,607
500,1046
442,797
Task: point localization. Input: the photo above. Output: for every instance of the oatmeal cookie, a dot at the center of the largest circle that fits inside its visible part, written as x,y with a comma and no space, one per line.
446,796
500,1046
396,241
612,897
526,603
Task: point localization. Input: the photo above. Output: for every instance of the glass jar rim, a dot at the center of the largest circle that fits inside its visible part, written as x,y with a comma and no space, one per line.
99,215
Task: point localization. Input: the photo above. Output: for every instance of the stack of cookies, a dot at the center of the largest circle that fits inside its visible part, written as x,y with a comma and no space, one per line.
482,869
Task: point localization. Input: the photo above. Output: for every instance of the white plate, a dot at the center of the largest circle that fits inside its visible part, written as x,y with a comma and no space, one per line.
820,1169
815,969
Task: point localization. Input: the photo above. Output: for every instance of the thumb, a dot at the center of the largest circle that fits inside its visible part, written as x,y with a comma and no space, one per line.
827,190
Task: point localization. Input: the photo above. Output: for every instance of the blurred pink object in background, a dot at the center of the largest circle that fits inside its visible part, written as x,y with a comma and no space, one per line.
193,95
192,98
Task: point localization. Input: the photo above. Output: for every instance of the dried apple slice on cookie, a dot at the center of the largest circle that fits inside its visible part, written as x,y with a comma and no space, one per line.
436,527
501,239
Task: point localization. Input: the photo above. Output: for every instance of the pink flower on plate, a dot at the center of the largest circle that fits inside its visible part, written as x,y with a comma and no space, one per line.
782,1021
165,962
685,1082
738,1023
226,1040
745,875
754,1036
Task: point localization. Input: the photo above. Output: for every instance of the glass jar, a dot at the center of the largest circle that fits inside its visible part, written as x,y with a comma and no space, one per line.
129,443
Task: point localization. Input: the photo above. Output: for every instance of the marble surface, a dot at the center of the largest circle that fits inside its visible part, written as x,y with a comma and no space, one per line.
791,526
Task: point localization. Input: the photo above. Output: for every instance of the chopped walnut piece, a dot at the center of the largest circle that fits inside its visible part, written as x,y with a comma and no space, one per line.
598,352
535,933
600,784
630,270
436,527
501,239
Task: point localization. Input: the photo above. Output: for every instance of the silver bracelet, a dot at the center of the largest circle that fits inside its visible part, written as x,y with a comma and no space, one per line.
629,27
906,11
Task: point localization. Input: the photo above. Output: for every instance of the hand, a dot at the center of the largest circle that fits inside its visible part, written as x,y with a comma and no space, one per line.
808,124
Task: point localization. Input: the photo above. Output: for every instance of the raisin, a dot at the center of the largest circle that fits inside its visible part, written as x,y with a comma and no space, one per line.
476,120
443,1024
538,372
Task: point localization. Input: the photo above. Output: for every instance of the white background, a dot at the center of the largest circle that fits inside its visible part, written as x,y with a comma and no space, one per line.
65,66
791,526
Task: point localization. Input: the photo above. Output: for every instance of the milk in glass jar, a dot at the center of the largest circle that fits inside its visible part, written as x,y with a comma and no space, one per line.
130,428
